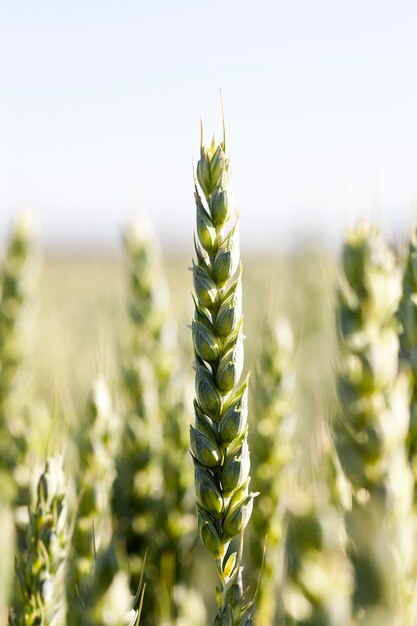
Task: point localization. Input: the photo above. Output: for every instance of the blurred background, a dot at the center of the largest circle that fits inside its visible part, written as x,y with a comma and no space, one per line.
100,122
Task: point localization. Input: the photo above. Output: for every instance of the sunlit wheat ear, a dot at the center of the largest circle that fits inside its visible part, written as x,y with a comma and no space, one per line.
219,437
40,572
371,428
271,442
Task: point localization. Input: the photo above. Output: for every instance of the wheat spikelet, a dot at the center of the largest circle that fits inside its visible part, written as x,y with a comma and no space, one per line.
219,437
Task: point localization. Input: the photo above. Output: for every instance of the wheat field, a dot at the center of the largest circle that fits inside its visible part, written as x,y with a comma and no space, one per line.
147,479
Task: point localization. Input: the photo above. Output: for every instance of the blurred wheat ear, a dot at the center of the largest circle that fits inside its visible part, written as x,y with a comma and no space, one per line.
271,445
97,447
151,497
371,428
40,572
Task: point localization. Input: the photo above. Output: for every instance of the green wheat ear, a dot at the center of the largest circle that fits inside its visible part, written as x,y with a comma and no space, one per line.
371,429
219,437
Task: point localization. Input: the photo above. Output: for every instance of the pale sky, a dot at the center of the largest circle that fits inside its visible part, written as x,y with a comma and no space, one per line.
100,105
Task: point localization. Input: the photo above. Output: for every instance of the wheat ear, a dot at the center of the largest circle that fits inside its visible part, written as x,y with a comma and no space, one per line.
40,572
219,436
371,429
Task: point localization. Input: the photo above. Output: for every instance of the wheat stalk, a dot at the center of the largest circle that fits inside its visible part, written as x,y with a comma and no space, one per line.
219,437
371,429
40,572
